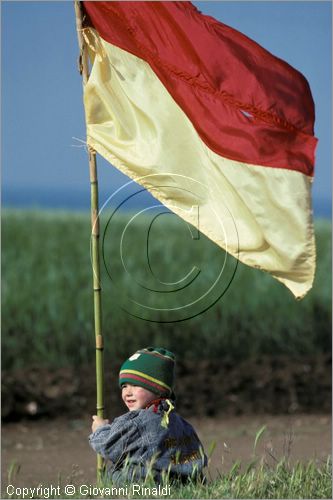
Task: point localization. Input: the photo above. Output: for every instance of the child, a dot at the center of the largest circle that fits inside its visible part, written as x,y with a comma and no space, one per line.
151,436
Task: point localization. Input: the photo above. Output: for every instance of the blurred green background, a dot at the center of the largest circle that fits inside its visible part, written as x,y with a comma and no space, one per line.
47,298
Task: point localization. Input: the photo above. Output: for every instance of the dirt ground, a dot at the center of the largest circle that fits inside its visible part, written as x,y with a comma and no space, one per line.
56,451
267,384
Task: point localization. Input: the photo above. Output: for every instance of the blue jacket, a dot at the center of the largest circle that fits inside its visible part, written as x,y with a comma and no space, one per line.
138,442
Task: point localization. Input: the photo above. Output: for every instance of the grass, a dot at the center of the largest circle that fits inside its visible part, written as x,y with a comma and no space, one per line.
47,294
258,479
301,480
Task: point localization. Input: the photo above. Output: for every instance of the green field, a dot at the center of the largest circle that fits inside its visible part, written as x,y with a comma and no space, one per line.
47,308
283,481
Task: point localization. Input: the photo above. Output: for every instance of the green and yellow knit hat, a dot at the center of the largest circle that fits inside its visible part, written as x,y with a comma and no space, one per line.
151,368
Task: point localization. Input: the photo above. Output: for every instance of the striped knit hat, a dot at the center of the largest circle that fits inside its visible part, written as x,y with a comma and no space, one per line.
151,368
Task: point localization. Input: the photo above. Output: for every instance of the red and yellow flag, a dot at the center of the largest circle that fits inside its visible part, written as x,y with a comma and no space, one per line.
213,125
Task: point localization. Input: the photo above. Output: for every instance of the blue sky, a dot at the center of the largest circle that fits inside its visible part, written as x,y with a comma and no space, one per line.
42,91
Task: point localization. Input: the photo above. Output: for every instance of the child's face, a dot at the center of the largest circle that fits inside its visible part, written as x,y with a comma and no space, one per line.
135,397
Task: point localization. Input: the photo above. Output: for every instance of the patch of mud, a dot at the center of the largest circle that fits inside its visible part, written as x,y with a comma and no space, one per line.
272,385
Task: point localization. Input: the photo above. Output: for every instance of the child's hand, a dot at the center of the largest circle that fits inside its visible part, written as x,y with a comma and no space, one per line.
98,422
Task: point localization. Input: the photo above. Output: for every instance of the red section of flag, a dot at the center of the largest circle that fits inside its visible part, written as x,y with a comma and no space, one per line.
245,103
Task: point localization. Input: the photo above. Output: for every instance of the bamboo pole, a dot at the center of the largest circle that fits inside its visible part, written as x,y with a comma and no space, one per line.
84,71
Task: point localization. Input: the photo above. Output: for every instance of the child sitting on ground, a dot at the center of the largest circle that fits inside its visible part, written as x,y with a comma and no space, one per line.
151,436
